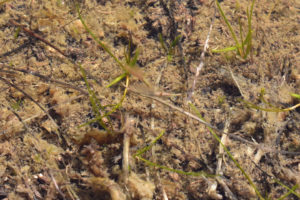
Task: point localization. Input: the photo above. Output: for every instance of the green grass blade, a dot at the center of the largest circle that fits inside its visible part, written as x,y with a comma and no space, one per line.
175,41
127,55
228,25
101,44
162,43
295,95
152,164
248,39
16,34
117,106
96,105
252,105
228,152
171,50
241,38
290,191
125,68
261,97
116,80
133,60
224,50
143,150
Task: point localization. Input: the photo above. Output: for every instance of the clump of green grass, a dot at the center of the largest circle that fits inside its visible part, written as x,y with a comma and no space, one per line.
16,104
169,49
129,68
243,45
243,49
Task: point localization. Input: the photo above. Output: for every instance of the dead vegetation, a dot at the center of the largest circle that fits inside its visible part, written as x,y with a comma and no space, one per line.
65,135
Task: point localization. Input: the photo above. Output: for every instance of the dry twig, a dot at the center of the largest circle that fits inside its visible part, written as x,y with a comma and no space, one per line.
201,64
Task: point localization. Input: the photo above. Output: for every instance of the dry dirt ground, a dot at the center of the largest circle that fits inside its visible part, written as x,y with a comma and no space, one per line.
52,148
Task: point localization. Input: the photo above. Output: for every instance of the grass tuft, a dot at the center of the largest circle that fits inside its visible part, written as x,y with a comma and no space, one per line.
128,68
244,46
169,48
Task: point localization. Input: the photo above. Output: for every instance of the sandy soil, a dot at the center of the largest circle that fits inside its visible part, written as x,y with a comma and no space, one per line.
51,146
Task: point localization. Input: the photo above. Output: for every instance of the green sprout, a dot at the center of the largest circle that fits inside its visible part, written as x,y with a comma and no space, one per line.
169,48
244,46
129,67
16,105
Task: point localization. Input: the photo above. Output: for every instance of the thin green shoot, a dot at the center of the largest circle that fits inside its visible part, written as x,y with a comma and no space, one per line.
228,25
244,46
162,43
290,190
221,99
114,107
96,105
169,49
261,97
227,49
143,150
139,153
16,34
252,105
16,105
228,152
152,164
117,80
118,105
295,95
131,63
271,108
101,44
132,70
129,69
248,39
132,60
